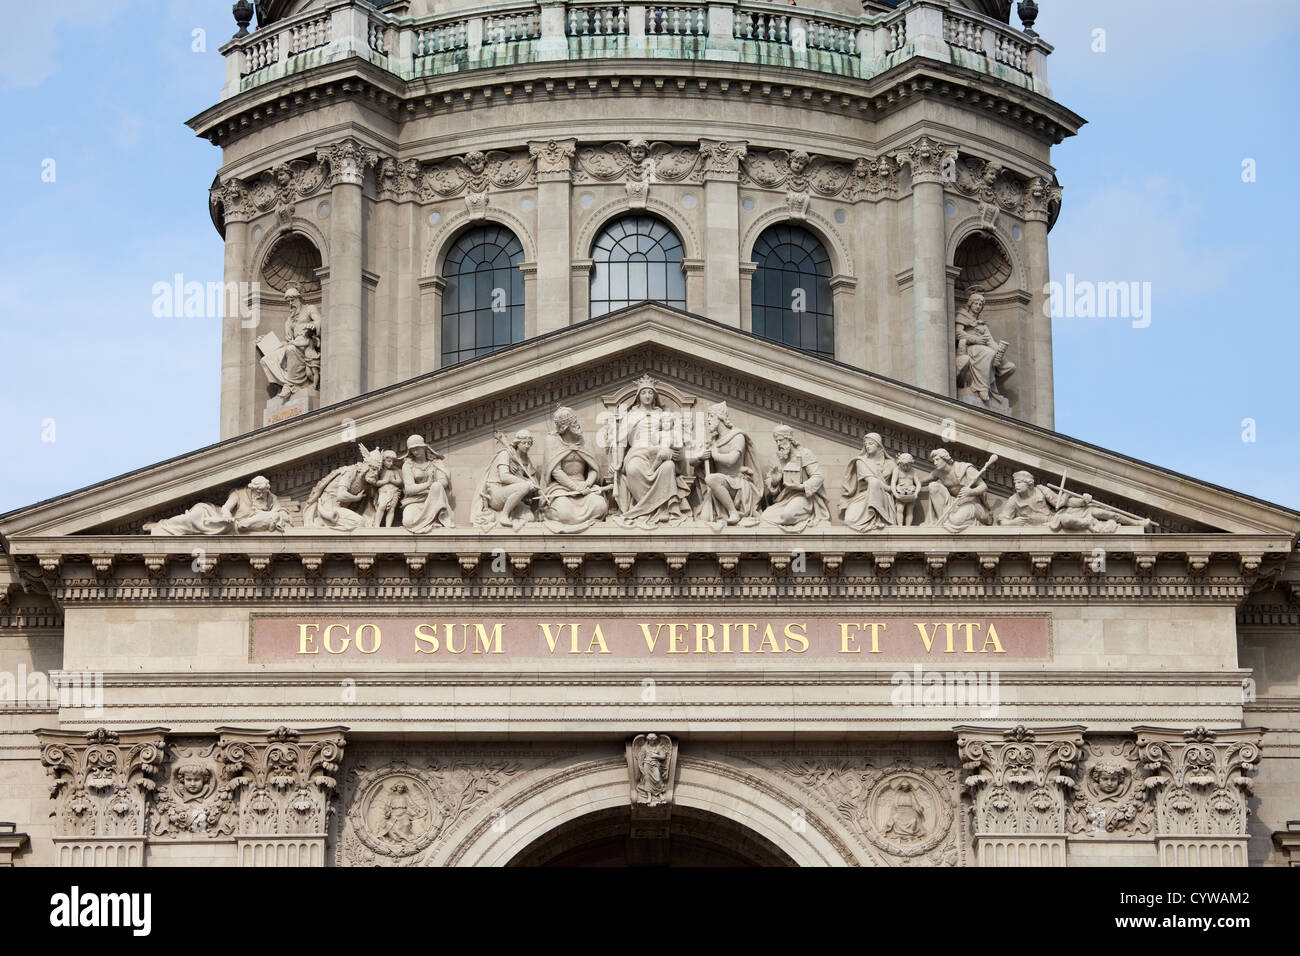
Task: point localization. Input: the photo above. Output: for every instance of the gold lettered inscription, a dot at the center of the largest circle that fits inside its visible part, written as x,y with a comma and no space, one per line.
830,640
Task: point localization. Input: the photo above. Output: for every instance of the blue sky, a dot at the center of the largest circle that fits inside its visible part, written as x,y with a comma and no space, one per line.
1182,95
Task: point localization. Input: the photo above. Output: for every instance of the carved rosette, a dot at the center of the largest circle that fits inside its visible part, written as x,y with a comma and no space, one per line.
553,158
346,162
1201,778
1020,780
281,780
102,779
1112,799
399,813
195,797
929,161
905,811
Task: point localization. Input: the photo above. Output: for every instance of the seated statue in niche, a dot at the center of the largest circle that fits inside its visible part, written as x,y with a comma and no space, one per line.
982,363
573,498
300,363
344,499
728,486
648,484
426,486
957,497
249,510
868,502
795,486
508,485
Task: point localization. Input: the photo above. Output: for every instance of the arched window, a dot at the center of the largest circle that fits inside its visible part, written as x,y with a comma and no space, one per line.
636,258
483,302
792,290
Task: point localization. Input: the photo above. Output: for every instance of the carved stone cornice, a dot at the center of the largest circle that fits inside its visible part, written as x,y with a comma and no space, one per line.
1020,780
1201,778
102,779
554,158
929,161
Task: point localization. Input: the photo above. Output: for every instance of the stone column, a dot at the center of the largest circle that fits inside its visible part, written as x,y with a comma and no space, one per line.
1038,336
396,302
102,782
933,343
694,270
282,783
343,342
1201,780
580,288
238,335
555,306
430,354
1019,783
721,166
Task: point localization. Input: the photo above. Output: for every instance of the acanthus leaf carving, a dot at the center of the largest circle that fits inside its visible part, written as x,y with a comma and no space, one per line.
1019,779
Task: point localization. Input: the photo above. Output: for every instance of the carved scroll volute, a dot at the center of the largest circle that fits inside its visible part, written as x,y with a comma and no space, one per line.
284,780
1201,778
1019,780
102,779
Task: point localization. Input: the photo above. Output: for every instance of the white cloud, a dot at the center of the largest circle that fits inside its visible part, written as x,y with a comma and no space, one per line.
30,42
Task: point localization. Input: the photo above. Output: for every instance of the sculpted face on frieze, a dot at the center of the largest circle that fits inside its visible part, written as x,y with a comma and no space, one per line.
651,458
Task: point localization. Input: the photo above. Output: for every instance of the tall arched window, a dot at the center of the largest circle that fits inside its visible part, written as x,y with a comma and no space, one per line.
483,302
636,258
792,290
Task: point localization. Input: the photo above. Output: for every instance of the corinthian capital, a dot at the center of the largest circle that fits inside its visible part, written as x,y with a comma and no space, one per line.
102,780
553,156
930,161
1019,779
346,161
1040,196
1201,778
233,199
282,780
722,158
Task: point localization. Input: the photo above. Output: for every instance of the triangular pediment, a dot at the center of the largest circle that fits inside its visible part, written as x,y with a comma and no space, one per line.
593,367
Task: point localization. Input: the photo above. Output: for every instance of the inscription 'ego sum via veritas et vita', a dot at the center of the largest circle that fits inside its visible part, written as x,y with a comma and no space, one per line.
422,640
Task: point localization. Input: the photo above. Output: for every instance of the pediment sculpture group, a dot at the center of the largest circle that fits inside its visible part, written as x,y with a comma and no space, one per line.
655,480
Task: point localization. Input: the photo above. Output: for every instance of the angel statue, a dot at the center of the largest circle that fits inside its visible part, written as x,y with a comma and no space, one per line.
652,769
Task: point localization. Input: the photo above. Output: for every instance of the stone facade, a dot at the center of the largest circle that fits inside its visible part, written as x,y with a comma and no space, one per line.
645,588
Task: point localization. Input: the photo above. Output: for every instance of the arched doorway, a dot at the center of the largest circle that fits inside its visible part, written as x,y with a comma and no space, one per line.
692,837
